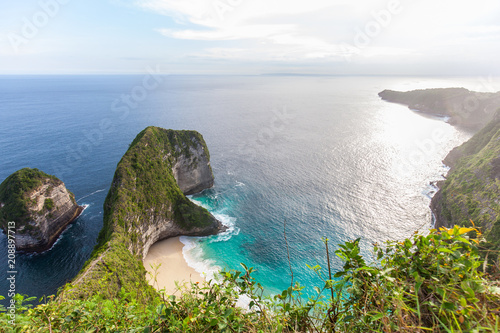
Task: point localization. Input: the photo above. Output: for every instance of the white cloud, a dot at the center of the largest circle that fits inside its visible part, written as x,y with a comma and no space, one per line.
237,32
326,29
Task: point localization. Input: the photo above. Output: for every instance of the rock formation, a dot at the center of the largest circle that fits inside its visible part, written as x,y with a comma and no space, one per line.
146,203
41,207
192,171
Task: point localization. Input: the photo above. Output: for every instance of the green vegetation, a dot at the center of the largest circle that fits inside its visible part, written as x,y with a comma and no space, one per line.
471,190
428,283
436,282
48,204
143,183
14,194
143,191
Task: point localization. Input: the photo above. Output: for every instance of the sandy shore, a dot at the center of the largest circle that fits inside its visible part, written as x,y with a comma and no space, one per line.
173,267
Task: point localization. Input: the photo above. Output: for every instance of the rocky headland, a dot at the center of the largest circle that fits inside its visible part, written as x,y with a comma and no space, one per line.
466,109
39,205
146,203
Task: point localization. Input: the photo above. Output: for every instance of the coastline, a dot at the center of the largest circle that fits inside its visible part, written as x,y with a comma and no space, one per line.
173,267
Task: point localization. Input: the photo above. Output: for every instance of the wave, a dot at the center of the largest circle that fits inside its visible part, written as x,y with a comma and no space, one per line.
193,254
232,230
88,195
193,250
431,188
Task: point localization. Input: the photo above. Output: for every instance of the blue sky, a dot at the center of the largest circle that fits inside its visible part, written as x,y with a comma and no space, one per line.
339,37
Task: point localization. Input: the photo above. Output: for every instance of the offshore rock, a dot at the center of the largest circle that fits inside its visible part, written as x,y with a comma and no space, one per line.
40,207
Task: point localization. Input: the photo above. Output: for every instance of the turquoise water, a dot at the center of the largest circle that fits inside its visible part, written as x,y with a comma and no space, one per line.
324,154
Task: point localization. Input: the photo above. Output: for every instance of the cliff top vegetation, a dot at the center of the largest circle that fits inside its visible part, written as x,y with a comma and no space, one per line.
14,191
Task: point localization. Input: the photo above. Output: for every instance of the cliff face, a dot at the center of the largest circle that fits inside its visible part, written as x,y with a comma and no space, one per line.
472,188
41,207
467,109
146,203
192,171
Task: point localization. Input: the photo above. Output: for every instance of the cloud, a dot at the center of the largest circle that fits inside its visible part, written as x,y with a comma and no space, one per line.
237,32
284,30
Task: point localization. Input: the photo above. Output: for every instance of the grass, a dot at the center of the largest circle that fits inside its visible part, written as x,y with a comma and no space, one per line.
14,195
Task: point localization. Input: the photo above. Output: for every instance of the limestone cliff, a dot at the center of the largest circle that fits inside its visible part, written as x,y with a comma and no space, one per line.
146,203
40,205
467,109
471,190
192,171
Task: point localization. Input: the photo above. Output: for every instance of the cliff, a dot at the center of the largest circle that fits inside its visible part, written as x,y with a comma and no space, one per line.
41,207
146,203
471,190
467,109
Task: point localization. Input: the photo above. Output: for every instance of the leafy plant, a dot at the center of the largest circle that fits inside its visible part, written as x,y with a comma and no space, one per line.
426,283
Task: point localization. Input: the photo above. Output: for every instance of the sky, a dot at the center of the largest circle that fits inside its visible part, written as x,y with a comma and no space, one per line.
251,37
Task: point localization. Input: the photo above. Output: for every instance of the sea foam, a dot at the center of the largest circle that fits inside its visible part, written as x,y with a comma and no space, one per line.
193,252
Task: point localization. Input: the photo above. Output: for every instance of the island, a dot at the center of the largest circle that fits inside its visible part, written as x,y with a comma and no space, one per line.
38,207
146,203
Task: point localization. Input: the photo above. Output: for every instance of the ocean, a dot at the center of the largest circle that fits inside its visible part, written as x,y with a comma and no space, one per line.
315,156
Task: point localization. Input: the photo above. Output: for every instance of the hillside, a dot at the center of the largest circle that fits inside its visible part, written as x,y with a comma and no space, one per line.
472,188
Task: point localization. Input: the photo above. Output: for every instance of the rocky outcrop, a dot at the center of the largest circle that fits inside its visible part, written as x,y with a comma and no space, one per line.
158,228
192,171
467,109
147,195
41,207
147,203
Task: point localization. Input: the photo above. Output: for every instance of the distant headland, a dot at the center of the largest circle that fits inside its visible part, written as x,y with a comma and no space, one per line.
466,109
469,195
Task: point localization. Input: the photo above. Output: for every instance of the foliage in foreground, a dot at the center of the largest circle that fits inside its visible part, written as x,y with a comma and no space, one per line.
431,283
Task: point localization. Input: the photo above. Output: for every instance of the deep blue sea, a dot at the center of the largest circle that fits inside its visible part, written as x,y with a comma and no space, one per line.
323,154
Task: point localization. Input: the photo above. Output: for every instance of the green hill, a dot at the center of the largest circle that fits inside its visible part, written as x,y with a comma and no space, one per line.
472,188
14,202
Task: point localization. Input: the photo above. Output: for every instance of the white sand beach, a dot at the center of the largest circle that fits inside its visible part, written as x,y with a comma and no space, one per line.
173,266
